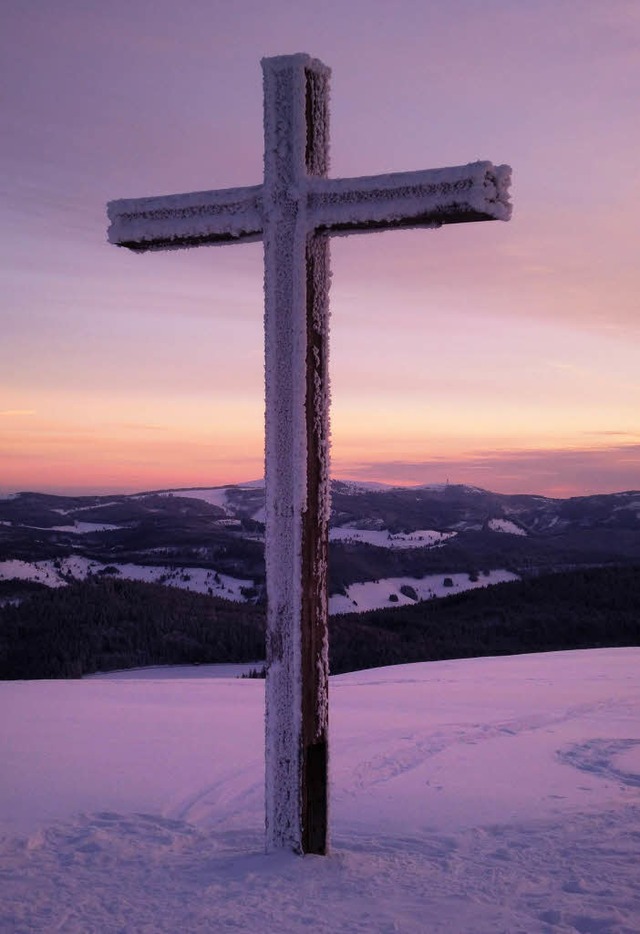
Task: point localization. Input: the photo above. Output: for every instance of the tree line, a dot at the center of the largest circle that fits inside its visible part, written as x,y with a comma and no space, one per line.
589,608
106,624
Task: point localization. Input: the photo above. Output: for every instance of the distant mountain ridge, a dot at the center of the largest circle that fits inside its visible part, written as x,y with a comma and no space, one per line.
472,505
389,544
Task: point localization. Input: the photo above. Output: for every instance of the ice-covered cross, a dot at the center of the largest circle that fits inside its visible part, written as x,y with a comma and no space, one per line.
295,211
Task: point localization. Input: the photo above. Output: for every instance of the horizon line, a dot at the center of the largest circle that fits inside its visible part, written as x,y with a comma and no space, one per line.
370,485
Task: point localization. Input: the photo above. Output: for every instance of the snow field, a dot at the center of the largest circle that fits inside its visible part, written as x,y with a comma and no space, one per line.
505,525
369,595
175,672
215,497
57,573
375,595
472,796
423,538
78,528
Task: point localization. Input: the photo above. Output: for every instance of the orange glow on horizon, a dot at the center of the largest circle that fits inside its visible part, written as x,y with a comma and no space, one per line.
500,355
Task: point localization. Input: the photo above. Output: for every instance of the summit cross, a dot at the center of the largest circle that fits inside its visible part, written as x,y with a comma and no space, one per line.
295,211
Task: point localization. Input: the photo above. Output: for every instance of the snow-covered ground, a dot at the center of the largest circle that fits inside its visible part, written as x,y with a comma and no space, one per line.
374,595
479,796
506,525
78,528
364,486
368,595
217,496
58,572
423,538
179,672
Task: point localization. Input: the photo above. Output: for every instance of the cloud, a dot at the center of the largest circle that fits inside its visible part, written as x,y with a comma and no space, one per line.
612,434
16,413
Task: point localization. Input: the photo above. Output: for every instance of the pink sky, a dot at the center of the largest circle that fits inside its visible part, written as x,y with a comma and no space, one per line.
504,355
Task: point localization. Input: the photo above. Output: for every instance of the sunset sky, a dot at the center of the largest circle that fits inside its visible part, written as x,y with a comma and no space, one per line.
505,355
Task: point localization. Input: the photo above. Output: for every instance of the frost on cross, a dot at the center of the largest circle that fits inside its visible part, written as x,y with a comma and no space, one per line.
295,211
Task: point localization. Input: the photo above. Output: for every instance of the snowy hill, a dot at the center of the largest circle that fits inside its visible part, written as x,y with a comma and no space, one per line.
386,543
473,797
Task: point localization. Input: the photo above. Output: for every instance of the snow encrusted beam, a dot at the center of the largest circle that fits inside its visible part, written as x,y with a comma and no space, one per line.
431,198
232,215
297,474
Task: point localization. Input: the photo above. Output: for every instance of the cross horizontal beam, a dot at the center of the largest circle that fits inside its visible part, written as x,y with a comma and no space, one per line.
173,222
430,198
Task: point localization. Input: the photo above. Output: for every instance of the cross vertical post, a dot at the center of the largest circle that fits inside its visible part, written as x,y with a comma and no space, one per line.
296,470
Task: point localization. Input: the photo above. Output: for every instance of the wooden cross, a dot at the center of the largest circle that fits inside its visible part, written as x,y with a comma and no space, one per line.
294,212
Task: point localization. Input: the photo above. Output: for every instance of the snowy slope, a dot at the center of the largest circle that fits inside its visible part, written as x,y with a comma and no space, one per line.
367,595
58,573
480,795
375,595
505,525
215,496
421,538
